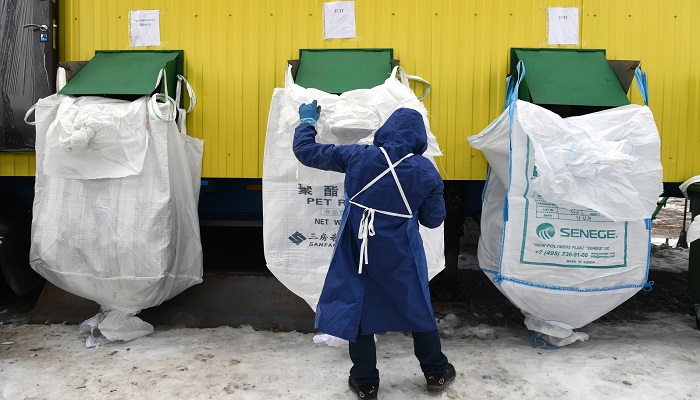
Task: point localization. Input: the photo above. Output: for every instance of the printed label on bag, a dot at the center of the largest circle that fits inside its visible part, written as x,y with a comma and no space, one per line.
323,207
571,238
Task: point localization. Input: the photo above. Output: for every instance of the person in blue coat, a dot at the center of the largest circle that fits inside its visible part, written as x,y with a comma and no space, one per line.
377,280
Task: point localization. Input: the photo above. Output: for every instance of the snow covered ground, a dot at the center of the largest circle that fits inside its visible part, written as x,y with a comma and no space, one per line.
654,358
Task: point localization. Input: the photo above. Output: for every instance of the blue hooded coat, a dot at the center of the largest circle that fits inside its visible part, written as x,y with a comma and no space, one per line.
391,292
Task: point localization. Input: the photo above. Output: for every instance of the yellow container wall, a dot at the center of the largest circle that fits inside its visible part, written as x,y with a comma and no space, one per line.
236,53
664,35
17,164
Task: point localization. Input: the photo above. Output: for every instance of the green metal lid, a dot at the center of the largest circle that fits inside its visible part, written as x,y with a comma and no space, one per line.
568,77
129,72
340,70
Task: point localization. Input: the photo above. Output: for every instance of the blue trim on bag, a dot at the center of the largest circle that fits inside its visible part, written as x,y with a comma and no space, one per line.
566,289
538,342
641,78
509,82
512,85
647,286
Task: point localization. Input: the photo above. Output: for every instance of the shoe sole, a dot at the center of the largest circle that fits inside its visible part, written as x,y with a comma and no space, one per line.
358,396
440,388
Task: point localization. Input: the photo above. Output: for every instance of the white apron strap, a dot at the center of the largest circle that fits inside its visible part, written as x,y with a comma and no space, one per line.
366,230
367,222
396,178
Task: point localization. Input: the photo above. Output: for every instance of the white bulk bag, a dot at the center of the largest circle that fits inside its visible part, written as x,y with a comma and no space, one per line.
566,214
126,238
302,206
96,137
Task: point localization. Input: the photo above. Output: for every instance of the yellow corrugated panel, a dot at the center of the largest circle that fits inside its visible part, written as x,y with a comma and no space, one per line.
17,164
236,53
664,35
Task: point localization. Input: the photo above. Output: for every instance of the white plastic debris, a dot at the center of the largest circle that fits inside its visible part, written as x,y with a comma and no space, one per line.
330,340
109,326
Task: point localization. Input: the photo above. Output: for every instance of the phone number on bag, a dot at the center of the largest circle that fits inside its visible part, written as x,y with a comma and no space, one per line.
555,253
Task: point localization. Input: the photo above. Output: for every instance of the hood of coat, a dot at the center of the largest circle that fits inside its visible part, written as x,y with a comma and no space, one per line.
405,130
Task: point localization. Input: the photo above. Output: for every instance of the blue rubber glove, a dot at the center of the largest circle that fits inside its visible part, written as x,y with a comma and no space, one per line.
309,113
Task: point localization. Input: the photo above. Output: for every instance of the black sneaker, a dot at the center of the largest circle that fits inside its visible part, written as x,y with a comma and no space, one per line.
438,382
364,392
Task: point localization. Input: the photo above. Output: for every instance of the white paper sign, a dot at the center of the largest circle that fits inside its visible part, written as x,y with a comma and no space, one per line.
144,28
339,20
562,25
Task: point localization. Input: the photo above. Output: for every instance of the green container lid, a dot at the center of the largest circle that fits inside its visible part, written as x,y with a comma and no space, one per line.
341,70
129,72
568,77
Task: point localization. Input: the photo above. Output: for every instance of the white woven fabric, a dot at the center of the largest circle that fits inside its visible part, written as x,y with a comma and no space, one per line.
567,262
127,243
302,206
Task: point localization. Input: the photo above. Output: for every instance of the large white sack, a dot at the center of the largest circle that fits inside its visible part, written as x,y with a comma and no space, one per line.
607,161
127,243
302,206
96,137
565,264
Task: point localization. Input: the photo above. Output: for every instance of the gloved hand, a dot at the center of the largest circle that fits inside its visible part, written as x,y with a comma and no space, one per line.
309,113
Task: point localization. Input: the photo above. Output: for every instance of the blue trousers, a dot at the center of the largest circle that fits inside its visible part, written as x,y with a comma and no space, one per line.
426,347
